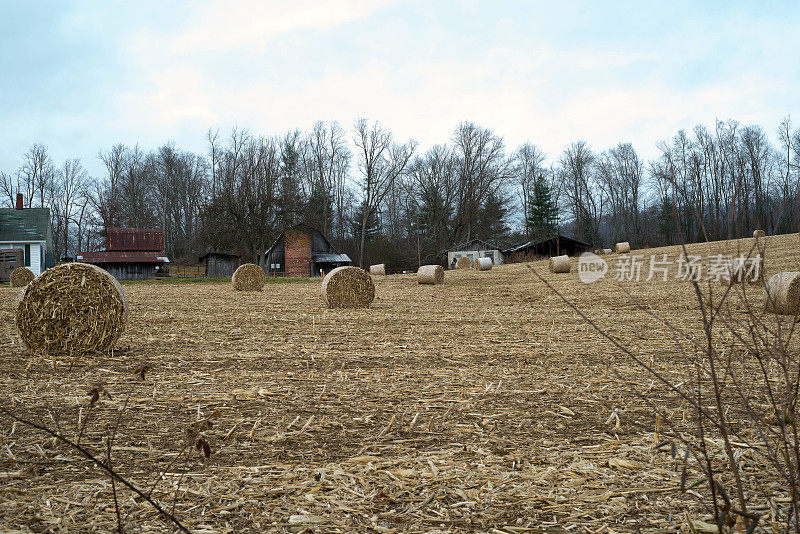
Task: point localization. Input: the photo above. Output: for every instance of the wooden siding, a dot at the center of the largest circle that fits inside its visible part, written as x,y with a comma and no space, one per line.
130,271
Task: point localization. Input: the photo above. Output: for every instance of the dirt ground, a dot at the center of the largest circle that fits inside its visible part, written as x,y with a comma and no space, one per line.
485,404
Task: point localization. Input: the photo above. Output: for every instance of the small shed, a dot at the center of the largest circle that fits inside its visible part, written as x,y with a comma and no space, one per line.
302,251
556,245
10,259
473,250
219,263
28,229
131,253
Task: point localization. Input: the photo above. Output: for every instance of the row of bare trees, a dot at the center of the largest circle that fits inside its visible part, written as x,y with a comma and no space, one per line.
379,198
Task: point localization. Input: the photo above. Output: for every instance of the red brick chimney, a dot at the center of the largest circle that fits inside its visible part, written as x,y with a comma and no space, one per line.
19,201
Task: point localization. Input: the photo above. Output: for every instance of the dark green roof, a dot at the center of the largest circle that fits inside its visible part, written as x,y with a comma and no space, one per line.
30,224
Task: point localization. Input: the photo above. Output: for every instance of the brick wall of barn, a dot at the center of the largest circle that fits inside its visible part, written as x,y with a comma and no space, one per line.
297,250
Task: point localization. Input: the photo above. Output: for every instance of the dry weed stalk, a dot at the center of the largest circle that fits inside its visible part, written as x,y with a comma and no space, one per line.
102,459
741,380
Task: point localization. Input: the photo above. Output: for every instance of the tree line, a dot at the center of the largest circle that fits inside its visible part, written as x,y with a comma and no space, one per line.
380,199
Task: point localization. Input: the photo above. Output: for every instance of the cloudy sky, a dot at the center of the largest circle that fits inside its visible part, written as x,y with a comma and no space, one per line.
79,76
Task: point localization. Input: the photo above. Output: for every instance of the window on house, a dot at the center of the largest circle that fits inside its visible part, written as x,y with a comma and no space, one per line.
27,255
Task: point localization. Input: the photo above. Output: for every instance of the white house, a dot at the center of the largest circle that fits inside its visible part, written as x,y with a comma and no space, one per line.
28,229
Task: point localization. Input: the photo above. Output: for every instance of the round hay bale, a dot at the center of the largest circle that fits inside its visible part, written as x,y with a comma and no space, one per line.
463,263
21,277
560,264
348,287
377,269
430,274
623,248
759,233
72,309
483,264
782,294
607,251
248,277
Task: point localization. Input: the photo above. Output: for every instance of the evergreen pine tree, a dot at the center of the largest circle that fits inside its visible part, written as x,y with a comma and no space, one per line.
542,216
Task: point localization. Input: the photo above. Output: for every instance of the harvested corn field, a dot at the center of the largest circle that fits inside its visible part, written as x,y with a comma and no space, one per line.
484,403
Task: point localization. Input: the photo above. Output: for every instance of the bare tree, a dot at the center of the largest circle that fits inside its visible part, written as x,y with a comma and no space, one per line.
482,170
584,198
529,165
36,175
381,161
69,187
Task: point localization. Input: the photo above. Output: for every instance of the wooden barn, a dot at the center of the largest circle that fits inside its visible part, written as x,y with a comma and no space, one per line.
556,245
131,253
302,251
219,264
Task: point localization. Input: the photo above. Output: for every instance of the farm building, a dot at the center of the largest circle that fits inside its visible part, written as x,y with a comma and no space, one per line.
28,229
131,253
556,245
220,263
473,250
303,251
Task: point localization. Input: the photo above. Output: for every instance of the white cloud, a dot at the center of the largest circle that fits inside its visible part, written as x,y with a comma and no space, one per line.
223,25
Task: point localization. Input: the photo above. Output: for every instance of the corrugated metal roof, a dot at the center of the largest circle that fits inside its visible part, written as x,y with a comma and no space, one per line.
331,258
128,239
29,224
113,256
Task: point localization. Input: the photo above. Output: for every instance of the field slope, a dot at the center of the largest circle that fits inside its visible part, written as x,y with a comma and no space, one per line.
483,403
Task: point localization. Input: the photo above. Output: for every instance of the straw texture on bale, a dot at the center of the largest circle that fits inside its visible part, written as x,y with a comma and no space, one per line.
463,263
607,251
750,271
348,287
377,269
248,277
483,264
72,309
21,277
783,294
759,233
430,274
623,248
560,264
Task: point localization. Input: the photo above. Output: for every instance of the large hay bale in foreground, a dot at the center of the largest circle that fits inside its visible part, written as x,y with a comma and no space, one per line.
463,263
377,269
248,277
759,233
21,277
560,264
72,309
783,294
623,248
348,287
430,274
483,264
